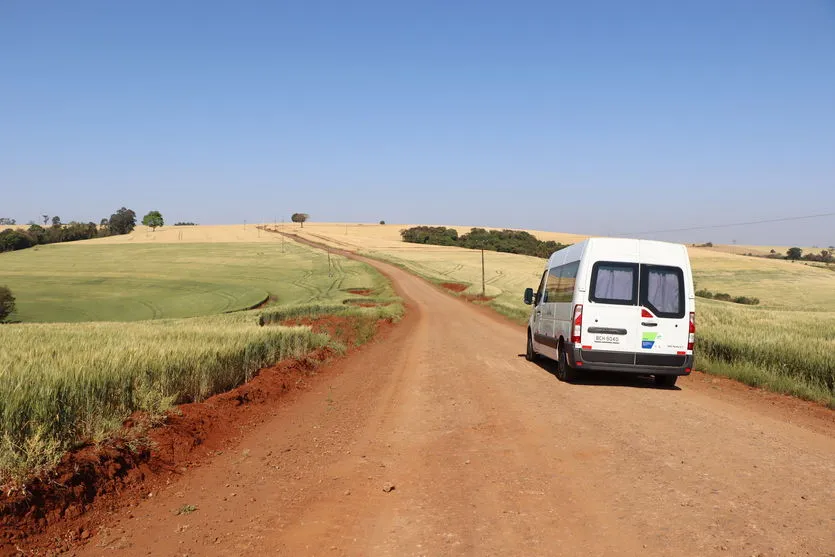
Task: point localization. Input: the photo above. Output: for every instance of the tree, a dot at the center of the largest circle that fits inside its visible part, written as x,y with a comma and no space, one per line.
153,219
382,222
7,222
11,240
45,219
56,221
122,221
7,303
794,253
300,218
37,233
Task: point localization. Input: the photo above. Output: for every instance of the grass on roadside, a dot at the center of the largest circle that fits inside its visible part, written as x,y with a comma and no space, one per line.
62,385
790,352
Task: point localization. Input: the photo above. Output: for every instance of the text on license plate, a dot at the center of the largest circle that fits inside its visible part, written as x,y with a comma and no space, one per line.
607,339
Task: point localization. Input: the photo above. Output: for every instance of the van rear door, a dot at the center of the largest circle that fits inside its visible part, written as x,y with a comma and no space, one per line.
610,319
664,324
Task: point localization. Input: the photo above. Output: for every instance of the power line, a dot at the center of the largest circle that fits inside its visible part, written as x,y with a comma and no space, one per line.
710,227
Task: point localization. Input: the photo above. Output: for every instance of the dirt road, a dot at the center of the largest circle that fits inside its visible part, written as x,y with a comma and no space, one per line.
487,454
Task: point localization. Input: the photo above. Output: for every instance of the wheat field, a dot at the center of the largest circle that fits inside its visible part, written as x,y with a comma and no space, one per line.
76,381
101,281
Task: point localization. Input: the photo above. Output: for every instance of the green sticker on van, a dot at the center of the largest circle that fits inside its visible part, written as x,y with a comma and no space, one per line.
648,340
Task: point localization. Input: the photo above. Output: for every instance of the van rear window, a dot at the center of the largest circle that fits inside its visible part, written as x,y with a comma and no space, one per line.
662,290
661,287
614,283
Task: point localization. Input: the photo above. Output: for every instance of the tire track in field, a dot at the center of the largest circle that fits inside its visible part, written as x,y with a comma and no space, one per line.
156,312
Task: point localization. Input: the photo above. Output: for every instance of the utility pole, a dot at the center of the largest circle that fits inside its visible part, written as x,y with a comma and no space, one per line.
483,283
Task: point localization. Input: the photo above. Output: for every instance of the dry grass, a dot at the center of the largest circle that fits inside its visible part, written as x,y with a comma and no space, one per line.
199,234
777,283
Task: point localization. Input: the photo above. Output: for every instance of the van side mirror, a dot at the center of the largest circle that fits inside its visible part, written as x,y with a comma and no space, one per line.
528,296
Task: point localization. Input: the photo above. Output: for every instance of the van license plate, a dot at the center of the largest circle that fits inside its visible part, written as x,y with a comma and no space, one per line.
607,339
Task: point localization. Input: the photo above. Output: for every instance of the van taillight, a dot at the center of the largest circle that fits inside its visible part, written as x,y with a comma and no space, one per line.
691,340
577,332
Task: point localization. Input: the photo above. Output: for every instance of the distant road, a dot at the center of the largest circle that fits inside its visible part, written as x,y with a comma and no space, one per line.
488,454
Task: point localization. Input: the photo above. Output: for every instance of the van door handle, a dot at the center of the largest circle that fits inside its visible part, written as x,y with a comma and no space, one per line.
606,331
648,324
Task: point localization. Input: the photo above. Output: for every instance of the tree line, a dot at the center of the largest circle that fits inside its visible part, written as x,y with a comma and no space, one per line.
505,241
54,231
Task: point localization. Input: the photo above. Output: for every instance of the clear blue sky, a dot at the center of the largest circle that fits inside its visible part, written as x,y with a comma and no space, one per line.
590,117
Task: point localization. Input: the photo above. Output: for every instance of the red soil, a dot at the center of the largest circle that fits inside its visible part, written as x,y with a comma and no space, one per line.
360,291
458,288
58,511
454,286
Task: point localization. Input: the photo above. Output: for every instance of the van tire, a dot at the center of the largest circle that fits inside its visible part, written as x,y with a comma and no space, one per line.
530,353
565,372
666,381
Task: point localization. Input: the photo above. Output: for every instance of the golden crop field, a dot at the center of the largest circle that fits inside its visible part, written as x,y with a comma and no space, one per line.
761,345
199,234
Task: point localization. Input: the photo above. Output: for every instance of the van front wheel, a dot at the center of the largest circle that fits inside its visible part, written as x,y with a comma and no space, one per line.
666,381
565,372
530,355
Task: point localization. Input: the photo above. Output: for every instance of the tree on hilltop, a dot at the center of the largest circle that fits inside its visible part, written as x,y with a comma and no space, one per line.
794,253
56,221
300,218
153,219
122,221
5,221
7,303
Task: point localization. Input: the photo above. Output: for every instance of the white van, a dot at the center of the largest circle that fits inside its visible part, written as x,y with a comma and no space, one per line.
617,305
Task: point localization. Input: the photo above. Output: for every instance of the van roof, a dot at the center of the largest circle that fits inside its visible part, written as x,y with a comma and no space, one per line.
621,249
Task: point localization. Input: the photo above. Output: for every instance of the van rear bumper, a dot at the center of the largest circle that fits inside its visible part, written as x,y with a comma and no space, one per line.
629,362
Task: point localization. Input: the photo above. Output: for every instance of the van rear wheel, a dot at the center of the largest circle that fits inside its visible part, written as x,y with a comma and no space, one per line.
666,381
565,372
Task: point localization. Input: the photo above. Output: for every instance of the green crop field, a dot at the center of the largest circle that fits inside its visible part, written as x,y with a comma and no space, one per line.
130,282
786,344
67,383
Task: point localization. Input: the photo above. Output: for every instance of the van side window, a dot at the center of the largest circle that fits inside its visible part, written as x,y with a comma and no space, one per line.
541,289
568,277
662,290
614,283
552,285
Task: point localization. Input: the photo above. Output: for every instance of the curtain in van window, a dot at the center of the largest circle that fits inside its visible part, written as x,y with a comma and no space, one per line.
663,290
614,283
